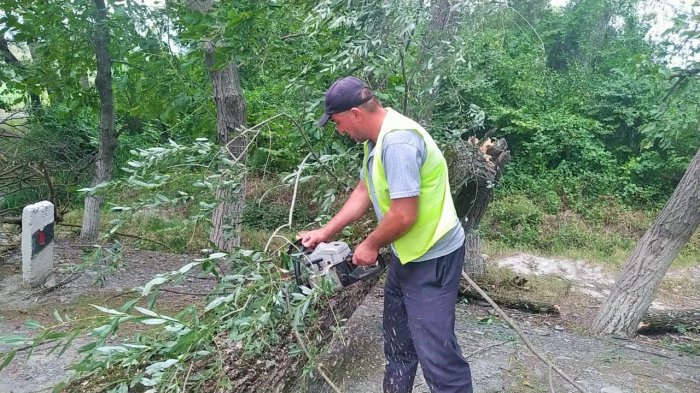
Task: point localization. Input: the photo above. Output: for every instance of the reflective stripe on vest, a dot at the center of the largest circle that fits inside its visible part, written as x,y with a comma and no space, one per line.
436,211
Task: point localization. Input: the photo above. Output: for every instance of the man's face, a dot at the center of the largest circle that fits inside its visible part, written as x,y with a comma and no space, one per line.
350,123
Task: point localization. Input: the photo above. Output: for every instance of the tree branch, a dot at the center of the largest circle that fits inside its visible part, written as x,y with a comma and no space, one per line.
521,334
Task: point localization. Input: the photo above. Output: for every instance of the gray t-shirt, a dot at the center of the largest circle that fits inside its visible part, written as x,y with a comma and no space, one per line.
403,154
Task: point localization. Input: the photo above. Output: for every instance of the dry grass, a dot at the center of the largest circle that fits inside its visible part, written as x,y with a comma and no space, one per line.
505,282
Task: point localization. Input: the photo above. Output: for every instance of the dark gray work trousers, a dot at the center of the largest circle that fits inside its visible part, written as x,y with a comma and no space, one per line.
419,323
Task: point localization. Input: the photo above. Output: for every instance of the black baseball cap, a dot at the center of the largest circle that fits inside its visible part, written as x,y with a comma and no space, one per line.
344,94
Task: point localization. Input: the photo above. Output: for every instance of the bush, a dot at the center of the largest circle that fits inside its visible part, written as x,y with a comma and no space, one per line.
271,216
513,220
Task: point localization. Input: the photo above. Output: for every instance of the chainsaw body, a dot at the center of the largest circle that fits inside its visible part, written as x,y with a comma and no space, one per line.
331,261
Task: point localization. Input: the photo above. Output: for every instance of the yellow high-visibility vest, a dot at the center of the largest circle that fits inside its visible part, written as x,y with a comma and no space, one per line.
436,211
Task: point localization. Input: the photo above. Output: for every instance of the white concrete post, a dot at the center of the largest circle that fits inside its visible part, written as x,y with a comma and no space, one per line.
37,243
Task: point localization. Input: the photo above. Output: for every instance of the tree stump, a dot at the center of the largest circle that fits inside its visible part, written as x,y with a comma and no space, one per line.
474,172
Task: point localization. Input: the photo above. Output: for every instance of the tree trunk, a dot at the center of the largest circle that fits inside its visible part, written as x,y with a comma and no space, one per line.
680,321
108,134
230,117
636,285
465,290
474,172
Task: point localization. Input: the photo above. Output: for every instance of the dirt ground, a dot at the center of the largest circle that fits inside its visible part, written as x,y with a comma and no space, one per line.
500,361
74,298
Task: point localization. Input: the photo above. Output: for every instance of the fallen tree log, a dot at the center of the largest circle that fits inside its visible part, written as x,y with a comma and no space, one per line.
679,321
278,369
508,302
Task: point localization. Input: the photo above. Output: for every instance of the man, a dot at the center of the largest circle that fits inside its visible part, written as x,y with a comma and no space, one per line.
404,177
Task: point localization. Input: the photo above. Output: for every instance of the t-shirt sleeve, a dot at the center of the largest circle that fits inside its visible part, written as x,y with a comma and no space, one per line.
403,154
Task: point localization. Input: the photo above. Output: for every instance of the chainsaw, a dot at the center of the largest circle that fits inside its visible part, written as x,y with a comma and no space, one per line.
331,261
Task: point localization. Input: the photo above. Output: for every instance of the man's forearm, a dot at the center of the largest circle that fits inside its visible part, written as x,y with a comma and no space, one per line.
392,227
397,221
356,206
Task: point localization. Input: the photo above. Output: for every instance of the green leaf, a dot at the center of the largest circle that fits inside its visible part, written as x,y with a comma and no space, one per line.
146,311
218,301
127,306
155,281
8,359
34,324
153,321
108,310
14,339
60,387
160,366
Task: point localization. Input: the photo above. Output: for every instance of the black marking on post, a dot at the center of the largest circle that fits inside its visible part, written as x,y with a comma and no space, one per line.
42,238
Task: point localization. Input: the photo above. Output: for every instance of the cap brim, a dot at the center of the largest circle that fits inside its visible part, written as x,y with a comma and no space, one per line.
324,119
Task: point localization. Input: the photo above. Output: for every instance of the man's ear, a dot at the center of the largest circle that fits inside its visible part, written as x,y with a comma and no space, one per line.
357,112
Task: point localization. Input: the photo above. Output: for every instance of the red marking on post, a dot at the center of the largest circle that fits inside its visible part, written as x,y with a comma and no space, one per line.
42,238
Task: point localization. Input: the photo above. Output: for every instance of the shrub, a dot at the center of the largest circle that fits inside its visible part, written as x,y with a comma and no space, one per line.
513,220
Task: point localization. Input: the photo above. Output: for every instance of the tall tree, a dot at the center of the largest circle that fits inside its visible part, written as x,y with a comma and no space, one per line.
230,118
641,276
108,134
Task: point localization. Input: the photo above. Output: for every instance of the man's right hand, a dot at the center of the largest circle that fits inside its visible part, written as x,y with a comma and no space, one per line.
312,238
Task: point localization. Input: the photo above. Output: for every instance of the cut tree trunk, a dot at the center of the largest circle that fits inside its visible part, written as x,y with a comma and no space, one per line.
636,285
474,172
249,374
108,134
518,304
230,119
680,321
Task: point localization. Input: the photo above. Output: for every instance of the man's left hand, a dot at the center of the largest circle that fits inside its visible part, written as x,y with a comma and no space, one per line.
365,255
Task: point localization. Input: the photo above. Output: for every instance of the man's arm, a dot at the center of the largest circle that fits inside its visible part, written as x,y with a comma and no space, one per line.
398,220
354,208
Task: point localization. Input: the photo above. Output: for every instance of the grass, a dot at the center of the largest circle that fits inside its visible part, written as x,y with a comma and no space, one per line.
605,234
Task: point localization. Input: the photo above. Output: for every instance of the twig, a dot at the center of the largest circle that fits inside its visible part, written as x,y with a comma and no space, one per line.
125,235
187,377
649,352
485,348
551,385
24,348
184,293
293,35
44,291
294,198
318,366
520,333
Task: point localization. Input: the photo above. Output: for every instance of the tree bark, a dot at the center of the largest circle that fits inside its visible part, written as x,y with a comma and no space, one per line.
468,292
670,322
636,285
230,118
108,134
474,172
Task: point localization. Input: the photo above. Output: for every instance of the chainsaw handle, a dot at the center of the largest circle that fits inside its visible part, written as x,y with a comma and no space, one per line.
297,271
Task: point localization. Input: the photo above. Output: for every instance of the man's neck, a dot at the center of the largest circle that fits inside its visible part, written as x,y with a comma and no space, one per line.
376,125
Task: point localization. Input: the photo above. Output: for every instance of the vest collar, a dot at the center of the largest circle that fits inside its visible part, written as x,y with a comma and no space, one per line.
388,121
